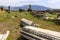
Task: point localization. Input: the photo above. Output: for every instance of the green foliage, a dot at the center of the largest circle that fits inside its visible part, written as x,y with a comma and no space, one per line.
12,24
51,15
21,10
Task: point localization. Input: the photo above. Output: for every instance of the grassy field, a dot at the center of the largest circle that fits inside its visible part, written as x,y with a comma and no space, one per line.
51,15
11,22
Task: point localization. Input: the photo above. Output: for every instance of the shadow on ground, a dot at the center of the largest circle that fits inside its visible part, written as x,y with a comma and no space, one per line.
22,38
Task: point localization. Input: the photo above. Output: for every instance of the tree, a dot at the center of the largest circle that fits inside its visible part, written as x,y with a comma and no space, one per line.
21,10
2,9
50,11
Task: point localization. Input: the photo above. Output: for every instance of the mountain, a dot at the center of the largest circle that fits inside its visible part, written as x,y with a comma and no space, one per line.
34,7
5,7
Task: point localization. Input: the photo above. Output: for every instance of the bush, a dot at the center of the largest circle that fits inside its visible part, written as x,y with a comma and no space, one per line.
21,10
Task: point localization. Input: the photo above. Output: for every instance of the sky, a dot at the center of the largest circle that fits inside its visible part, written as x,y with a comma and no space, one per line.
47,3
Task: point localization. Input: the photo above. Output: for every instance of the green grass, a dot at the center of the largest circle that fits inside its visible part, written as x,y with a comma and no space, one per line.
12,24
51,15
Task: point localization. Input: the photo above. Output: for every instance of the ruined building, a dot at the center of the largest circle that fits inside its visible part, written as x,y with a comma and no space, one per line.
30,8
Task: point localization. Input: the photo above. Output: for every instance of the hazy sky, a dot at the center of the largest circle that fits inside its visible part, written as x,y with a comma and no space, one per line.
47,3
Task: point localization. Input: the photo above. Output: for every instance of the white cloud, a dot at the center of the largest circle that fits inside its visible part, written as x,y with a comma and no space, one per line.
29,0
17,2
48,3
8,2
53,1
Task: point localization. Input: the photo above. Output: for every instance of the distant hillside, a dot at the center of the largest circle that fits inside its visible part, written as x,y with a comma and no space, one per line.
34,7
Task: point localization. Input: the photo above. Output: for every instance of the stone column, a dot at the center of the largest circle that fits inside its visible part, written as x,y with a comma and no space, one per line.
9,10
